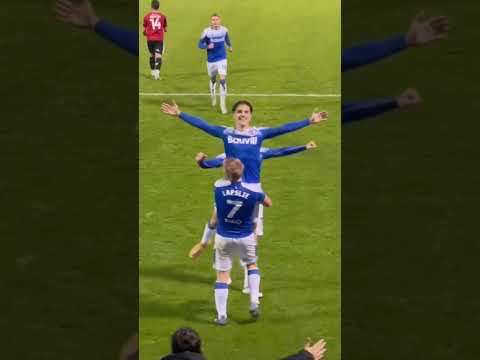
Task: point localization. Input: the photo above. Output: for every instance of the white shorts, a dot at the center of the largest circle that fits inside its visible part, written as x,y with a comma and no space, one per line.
258,216
227,248
218,67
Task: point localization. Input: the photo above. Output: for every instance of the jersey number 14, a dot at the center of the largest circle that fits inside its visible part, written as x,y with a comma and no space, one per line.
156,23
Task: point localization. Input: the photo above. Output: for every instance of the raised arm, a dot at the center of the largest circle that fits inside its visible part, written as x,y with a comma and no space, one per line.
174,110
316,118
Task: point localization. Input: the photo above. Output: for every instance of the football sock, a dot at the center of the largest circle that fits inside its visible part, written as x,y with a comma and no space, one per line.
245,277
254,284
152,63
223,88
208,232
221,297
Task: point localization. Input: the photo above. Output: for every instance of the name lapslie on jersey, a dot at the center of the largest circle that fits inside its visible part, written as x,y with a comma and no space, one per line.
235,192
246,141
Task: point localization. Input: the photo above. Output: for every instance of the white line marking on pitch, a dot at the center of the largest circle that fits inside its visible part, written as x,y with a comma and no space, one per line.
244,95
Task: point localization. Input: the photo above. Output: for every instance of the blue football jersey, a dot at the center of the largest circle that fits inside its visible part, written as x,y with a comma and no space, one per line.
217,37
235,208
244,145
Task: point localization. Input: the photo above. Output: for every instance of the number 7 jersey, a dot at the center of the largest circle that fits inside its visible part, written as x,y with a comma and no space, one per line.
155,25
236,206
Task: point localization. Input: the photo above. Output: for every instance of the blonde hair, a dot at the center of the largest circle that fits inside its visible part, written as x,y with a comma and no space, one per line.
233,169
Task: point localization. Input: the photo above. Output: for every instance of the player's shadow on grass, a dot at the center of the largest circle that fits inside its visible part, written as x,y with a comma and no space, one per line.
195,311
178,273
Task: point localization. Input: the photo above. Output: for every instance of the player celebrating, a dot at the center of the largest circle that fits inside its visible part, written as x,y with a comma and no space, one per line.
155,27
214,39
243,142
235,205
210,228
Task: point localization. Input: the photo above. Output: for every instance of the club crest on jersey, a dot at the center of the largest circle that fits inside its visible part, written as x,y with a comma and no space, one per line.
246,141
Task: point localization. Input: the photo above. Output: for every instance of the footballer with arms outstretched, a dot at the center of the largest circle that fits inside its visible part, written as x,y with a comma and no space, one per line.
214,39
235,206
242,142
155,27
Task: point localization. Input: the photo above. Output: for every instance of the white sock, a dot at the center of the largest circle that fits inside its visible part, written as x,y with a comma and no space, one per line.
245,277
254,284
223,91
221,297
207,234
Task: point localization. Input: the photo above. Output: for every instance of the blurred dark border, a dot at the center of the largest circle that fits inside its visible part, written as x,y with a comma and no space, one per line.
69,186
410,191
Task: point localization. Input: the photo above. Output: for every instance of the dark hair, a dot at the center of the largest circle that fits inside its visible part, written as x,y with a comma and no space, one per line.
242,102
186,339
155,4
215,14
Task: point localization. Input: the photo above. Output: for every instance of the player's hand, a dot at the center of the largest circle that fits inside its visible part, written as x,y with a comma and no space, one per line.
79,14
230,49
311,145
171,109
210,46
425,31
317,350
200,157
318,116
196,250
408,98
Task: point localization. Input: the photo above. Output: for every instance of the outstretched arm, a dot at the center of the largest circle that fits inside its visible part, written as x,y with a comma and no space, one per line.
289,150
420,33
316,118
125,39
174,110
368,53
202,161
82,15
356,111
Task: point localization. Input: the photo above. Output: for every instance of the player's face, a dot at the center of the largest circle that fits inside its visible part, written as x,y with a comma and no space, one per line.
242,117
215,22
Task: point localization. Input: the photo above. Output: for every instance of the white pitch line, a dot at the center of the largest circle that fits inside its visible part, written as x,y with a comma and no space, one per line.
245,95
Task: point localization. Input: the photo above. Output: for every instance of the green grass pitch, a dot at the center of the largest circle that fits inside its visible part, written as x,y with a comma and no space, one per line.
279,47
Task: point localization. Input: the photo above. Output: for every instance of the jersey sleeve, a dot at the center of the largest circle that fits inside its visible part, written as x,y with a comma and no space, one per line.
126,39
367,53
213,130
145,22
204,41
284,151
356,111
269,133
165,24
212,163
260,197
227,40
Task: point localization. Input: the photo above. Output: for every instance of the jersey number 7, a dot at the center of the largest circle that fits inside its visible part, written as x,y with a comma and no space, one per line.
236,207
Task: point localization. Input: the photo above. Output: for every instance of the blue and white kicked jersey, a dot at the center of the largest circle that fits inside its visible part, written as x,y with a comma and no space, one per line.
235,208
217,37
244,145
